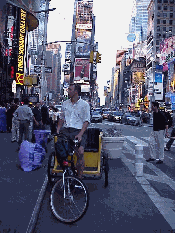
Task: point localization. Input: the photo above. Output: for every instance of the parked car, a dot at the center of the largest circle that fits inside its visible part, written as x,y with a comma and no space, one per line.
96,117
105,114
129,119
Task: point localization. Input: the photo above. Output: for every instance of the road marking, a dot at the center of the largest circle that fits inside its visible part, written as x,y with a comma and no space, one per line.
164,205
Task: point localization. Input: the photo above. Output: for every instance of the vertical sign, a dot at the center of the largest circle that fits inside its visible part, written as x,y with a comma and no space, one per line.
21,51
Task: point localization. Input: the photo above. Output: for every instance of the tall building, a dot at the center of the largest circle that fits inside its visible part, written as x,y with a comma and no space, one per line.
161,21
139,19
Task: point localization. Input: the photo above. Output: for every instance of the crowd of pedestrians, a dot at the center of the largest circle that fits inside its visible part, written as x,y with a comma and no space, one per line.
22,118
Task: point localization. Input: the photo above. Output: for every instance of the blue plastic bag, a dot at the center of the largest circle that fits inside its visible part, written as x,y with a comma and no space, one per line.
31,156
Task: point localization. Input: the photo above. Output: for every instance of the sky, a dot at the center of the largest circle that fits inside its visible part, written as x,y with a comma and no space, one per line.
111,30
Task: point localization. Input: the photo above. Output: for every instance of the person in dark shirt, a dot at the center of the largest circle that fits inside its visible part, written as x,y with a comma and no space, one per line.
37,122
160,129
45,116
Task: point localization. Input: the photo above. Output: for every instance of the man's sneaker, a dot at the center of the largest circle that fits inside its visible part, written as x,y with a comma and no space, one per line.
166,149
150,159
159,161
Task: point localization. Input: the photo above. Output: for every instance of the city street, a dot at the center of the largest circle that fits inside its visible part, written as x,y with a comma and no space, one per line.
128,204
124,205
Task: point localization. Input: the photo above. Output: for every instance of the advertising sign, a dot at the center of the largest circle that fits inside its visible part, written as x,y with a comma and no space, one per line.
158,77
84,14
158,91
83,43
85,88
167,52
21,50
14,86
68,47
82,69
84,26
48,69
37,69
68,55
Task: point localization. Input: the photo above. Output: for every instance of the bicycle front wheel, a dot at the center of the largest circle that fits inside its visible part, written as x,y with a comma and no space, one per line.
69,199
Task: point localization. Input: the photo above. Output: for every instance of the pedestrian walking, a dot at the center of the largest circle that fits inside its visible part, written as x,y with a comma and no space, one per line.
24,116
160,129
37,119
45,116
3,122
15,125
171,140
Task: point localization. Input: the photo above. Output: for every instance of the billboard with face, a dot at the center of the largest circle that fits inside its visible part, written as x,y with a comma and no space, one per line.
83,28
82,69
83,43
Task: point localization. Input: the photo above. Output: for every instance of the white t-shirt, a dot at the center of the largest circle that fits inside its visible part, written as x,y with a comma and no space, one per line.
74,115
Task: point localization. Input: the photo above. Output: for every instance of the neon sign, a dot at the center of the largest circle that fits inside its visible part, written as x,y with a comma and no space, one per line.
21,52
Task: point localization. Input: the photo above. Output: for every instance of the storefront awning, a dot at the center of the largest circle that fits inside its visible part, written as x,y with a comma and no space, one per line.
32,20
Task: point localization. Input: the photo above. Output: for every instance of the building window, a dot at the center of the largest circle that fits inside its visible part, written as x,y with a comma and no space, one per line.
164,15
159,7
164,21
165,8
171,1
170,35
165,1
157,49
171,15
158,21
171,8
158,28
170,29
157,42
164,29
171,22
164,35
158,35
159,1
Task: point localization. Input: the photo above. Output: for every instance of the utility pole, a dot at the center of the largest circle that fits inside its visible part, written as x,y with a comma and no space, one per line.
43,79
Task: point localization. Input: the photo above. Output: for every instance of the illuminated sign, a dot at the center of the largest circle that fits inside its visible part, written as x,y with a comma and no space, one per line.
82,69
21,51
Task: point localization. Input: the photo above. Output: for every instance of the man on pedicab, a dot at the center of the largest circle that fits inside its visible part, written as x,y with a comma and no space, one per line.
75,118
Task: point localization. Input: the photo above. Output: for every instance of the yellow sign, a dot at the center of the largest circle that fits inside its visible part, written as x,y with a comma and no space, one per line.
21,51
28,81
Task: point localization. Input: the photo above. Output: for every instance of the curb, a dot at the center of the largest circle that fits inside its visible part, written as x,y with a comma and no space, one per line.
35,213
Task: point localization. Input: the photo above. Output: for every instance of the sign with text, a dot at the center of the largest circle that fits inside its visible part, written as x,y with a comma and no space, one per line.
21,50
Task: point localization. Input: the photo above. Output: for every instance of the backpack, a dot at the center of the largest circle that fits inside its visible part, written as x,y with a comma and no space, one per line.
61,147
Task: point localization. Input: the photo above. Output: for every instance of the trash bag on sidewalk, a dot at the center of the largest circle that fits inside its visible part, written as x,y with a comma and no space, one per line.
31,156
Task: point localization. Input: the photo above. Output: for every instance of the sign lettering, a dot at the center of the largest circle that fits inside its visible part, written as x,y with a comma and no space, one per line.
21,52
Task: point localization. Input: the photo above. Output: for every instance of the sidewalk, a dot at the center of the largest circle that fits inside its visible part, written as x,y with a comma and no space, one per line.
20,191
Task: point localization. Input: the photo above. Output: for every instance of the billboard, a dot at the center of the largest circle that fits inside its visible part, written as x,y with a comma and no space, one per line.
83,28
82,69
167,52
83,43
84,13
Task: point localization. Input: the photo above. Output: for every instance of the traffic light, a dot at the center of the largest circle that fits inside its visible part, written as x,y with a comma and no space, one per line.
91,57
98,58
